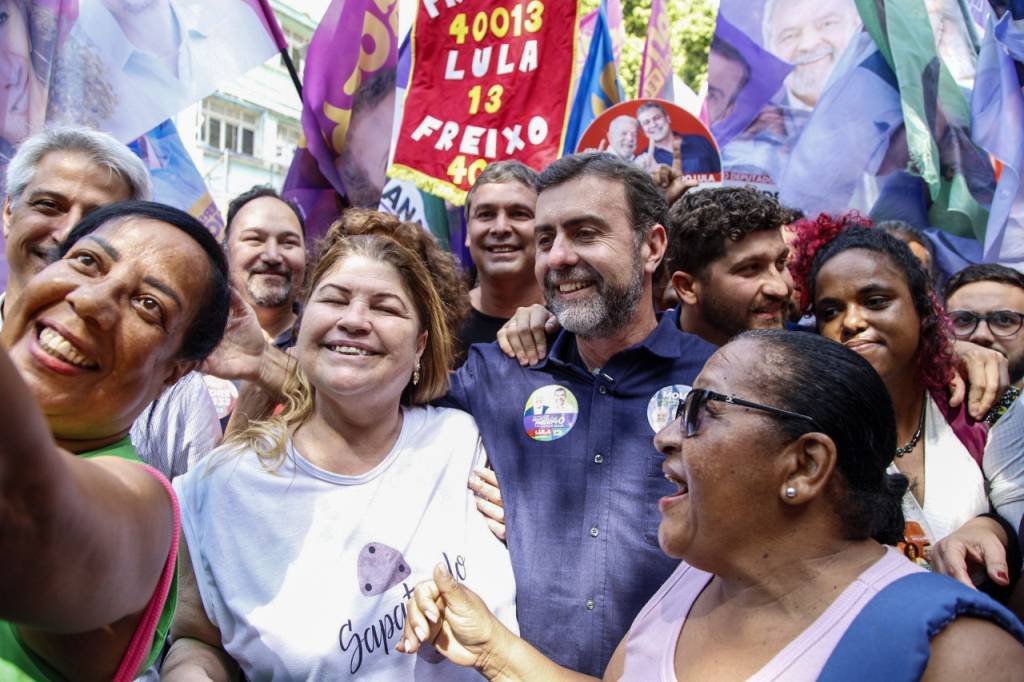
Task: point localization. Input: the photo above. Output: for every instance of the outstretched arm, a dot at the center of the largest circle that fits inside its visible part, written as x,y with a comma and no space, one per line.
83,541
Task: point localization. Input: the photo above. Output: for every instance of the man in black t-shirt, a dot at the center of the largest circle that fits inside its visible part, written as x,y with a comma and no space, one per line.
499,214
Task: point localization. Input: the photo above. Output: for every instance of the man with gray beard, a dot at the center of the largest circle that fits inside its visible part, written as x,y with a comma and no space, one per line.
266,248
580,483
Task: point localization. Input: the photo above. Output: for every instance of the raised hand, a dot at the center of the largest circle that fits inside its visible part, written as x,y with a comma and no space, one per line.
240,353
452,617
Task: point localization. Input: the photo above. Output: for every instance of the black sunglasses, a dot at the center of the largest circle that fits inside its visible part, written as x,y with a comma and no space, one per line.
690,409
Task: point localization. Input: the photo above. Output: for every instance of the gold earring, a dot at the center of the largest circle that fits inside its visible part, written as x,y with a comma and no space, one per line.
416,374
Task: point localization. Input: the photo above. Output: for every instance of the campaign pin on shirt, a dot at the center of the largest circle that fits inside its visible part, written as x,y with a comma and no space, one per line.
663,404
550,413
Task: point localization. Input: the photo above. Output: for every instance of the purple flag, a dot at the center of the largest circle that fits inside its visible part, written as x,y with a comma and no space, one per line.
656,66
349,99
997,109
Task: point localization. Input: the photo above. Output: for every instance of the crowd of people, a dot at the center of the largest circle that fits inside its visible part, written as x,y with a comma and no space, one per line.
664,433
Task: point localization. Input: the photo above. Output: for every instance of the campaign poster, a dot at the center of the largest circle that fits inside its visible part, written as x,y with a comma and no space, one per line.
653,132
490,81
850,104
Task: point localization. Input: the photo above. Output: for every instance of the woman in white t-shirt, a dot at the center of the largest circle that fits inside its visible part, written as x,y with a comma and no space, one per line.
307,532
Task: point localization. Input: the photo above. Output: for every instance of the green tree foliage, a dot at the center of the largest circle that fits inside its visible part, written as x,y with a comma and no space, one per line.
693,22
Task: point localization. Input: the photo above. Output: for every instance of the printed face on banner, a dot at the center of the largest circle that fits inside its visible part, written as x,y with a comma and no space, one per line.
811,35
22,90
803,103
490,81
653,132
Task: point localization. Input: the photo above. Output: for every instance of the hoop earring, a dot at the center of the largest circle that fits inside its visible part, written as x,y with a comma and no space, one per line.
790,492
416,374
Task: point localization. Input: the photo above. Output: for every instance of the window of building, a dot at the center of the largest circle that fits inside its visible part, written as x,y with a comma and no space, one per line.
228,127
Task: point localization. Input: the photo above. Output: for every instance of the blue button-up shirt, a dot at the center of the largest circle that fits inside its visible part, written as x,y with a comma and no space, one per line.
581,510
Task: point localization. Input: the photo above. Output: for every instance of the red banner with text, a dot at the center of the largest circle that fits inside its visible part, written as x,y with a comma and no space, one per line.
490,81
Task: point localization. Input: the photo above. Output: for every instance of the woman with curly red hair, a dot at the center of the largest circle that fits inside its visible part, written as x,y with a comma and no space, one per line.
869,292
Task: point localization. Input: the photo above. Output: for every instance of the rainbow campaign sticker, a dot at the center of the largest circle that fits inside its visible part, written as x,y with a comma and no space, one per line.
550,413
662,407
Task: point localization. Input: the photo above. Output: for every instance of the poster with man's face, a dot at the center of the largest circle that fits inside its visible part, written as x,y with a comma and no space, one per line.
653,133
804,103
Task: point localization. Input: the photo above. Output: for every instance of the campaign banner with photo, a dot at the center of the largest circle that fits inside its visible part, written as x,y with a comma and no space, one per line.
490,81
652,133
176,180
127,66
348,103
840,104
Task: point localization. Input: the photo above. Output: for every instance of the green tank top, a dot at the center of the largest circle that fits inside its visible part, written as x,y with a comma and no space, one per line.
19,664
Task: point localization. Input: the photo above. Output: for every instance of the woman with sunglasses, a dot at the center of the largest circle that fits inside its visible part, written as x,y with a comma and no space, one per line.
780,456
869,292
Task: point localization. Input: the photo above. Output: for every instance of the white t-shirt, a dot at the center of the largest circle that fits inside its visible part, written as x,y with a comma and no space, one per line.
305,572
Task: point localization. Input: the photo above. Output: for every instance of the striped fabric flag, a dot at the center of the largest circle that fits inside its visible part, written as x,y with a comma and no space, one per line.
936,115
656,66
598,87
997,109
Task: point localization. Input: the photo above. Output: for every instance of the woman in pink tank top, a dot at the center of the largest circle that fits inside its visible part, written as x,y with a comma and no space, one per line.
780,454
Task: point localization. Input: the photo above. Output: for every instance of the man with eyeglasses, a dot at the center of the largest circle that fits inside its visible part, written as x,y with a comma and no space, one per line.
986,305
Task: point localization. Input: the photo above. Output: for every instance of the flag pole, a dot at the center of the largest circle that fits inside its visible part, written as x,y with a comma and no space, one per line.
282,44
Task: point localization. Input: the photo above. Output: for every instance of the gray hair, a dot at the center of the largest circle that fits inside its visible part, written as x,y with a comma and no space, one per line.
501,172
101,148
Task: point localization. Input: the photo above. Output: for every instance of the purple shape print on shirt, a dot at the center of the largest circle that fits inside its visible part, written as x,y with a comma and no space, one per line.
380,568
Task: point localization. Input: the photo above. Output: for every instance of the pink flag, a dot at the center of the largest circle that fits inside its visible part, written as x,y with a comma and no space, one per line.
656,68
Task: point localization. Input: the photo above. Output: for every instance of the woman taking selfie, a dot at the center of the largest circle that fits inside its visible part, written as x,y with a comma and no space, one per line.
137,298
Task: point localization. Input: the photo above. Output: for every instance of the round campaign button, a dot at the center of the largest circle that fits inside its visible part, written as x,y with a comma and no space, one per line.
550,413
662,407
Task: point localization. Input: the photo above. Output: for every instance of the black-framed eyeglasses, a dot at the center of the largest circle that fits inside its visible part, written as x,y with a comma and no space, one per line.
691,407
1000,322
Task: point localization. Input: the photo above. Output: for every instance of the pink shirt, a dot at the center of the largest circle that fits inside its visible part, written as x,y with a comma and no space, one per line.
651,641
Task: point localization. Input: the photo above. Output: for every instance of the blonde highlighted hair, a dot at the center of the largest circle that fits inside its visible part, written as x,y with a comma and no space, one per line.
268,437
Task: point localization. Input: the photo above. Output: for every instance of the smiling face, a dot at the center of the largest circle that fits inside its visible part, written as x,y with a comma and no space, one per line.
360,333
622,136
656,125
811,35
588,262
267,253
862,300
749,287
500,228
726,466
64,188
96,334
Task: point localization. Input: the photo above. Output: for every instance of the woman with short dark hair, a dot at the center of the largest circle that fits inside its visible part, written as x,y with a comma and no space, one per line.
137,298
